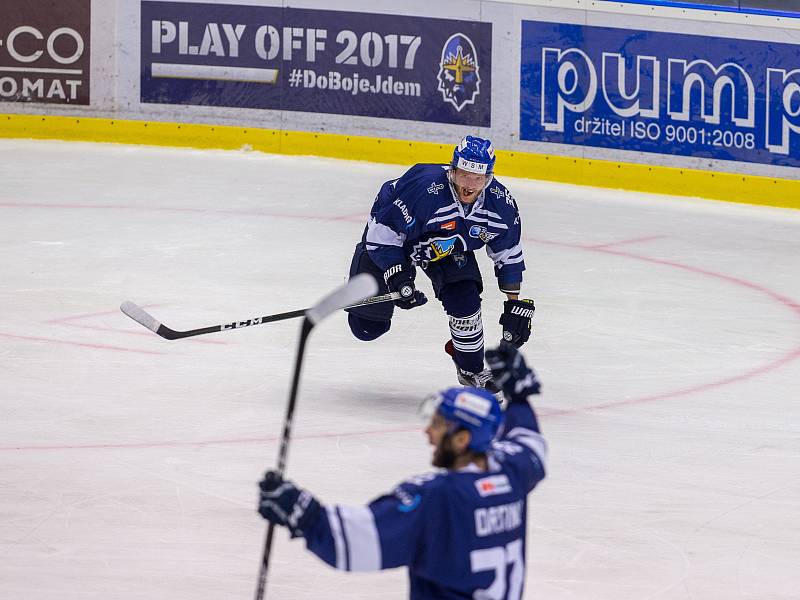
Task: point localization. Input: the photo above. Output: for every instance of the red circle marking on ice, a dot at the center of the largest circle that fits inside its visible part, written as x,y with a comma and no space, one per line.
602,248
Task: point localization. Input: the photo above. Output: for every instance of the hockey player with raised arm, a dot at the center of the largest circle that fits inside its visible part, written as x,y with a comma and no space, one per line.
461,530
434,217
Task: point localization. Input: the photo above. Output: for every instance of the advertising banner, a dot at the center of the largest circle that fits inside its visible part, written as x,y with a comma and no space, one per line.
44,51
667,93
347,63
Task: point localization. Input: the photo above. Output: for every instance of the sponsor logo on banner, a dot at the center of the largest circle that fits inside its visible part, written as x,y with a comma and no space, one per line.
661,92
316,61
459,77
44,51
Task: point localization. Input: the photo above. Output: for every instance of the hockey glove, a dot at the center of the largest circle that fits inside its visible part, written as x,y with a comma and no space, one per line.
400,278
516,321
511,373
283,503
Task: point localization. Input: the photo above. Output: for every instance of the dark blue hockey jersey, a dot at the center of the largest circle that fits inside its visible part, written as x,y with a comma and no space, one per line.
458,532
418,218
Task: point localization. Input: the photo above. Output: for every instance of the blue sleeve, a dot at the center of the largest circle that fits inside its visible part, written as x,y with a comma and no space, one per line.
399,519
521,447
383,535
506,250
399,215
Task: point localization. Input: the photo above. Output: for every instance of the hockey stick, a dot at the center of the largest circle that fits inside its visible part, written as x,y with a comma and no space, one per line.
141,316
360,286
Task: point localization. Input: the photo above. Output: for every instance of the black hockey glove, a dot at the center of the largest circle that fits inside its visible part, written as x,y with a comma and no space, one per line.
511,373
400,278
516,321
283,503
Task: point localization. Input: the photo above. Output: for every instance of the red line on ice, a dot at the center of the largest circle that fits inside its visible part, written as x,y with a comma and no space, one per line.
787,302
649,238
67,321
81,344
219,442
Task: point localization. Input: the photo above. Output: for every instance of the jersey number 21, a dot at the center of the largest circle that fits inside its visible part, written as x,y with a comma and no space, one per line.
495,559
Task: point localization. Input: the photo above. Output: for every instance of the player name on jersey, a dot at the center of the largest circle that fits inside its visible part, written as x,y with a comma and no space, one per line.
497,519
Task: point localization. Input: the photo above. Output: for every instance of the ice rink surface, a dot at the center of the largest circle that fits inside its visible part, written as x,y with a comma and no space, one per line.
667,337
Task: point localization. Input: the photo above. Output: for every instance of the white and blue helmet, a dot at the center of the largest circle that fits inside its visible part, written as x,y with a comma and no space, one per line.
475,155
473,409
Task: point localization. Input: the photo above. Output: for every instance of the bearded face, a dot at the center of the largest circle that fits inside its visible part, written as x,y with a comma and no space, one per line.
444,457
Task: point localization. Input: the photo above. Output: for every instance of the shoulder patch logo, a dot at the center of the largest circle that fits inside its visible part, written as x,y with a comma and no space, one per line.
407,507
435,188
493,486
500,194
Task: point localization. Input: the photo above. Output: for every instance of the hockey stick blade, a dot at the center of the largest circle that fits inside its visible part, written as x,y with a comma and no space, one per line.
358,288
140,315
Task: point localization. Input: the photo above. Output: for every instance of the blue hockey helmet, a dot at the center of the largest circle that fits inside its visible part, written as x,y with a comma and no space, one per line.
473,409
475,155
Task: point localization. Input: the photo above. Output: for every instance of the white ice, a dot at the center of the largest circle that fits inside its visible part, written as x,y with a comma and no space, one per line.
667,337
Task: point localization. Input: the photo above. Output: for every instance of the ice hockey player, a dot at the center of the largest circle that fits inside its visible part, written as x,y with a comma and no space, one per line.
461,530
434,217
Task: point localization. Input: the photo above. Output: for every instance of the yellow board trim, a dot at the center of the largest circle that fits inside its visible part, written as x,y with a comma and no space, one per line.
730,187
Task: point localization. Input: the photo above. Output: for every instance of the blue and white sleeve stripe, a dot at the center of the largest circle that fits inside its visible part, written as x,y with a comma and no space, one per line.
532,440
378,233
506,257
355,538
338,539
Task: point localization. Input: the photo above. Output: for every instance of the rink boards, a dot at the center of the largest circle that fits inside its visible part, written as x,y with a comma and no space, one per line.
686,102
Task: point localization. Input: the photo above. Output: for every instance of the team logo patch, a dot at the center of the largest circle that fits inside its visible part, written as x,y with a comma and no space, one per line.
493,486
459,78
442,248
434,249
450,225
477,231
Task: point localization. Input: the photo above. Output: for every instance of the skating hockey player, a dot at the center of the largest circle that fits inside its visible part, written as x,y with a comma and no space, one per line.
434,217
461,530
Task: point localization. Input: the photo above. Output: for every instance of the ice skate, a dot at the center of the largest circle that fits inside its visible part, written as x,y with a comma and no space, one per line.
483,379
